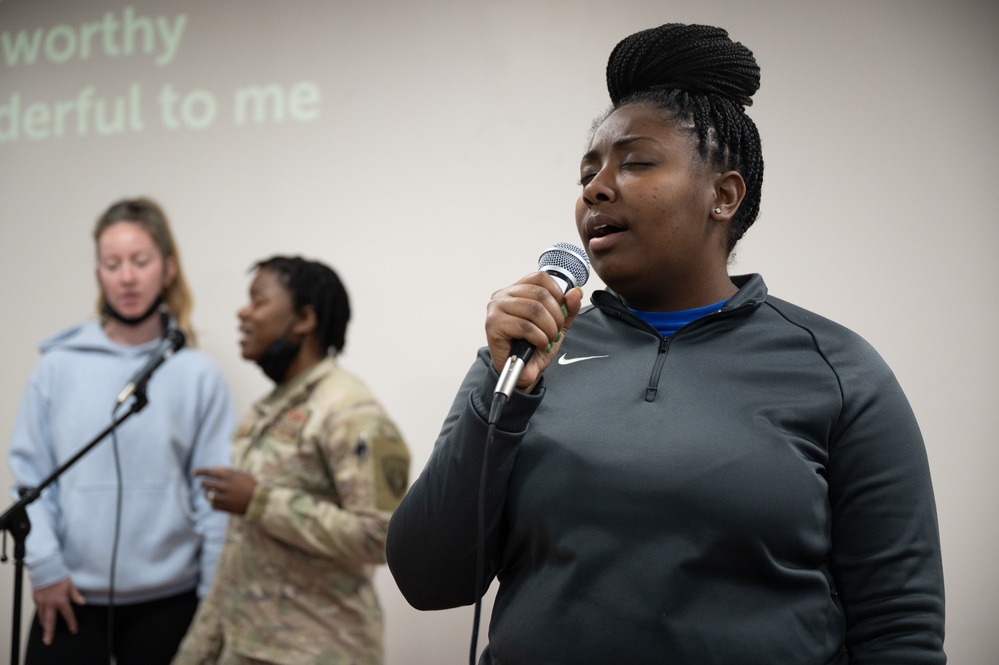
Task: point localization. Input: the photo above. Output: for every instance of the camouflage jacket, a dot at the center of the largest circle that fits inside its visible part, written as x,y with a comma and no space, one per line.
294,582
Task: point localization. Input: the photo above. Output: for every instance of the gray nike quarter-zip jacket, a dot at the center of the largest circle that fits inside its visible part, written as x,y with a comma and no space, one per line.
754,489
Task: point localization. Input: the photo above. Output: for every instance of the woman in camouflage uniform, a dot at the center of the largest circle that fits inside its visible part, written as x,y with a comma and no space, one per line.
318,468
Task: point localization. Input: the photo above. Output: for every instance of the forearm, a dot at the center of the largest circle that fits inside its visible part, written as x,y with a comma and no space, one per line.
886,546
432,541
319,526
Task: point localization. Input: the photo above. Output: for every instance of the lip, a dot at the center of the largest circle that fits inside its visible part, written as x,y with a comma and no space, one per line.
127,300
597,235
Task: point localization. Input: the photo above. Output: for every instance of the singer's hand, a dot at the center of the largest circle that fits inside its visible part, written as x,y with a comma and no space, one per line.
227,489
57,600
531,310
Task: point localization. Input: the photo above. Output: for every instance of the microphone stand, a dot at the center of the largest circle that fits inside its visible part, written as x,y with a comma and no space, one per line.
15,519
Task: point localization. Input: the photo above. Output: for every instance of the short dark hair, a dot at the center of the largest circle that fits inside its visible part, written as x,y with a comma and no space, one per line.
314,284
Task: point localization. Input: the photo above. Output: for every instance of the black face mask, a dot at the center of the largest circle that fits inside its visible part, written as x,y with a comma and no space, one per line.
112,313
278,357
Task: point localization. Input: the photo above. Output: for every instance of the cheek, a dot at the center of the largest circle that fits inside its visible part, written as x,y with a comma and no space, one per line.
580,212
154,277
265,326
104,279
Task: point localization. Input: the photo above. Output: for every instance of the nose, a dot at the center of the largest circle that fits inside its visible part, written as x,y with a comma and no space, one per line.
600,188
242,313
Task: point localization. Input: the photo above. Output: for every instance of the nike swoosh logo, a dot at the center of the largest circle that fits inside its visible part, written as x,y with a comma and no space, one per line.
568,361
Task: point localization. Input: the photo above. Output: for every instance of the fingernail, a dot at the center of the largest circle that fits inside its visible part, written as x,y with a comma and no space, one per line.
565,311
557,337
548,348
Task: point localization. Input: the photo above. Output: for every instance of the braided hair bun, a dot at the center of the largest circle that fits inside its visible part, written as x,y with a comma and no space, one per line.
699,59
697,75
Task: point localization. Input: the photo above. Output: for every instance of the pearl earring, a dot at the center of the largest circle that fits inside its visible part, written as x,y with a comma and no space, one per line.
717,211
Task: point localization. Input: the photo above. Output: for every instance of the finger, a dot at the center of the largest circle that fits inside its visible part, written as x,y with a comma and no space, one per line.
527,312
539,286
46,617
217,471
69,617
573,303
557,306
555,296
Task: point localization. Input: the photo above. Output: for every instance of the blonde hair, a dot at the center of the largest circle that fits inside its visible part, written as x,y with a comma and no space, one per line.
150,216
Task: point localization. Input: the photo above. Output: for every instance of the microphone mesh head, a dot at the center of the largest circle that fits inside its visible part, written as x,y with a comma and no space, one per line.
568,260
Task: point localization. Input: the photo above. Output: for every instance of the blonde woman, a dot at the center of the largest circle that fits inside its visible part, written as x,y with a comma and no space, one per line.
168,537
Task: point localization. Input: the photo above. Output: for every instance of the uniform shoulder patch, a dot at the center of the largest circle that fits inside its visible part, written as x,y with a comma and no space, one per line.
395,469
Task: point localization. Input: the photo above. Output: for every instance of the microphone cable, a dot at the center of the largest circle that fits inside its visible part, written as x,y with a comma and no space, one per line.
499,399
569,266
480,536
137,392
117,533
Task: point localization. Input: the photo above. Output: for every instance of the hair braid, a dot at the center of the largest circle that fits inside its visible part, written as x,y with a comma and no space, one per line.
697,73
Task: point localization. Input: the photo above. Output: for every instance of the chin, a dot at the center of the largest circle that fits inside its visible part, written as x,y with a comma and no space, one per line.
607,272
618,283
132,309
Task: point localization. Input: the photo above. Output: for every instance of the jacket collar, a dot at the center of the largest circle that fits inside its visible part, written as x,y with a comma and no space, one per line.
90,337
295,391
752,292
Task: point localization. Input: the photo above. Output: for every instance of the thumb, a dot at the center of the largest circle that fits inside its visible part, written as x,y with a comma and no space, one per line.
573,303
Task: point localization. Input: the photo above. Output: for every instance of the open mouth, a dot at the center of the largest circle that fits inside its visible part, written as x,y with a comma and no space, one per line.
603,230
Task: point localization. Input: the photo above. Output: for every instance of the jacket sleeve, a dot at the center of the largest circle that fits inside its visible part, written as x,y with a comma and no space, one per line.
432,539
367,462
32,458
885,557
212,446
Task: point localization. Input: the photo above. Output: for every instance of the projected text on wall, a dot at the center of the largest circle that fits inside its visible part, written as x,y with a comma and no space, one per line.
89,111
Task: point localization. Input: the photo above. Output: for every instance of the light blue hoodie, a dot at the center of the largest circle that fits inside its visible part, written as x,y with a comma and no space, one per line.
170,538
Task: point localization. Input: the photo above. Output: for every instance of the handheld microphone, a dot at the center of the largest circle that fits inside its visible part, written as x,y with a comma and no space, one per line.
172,342
569,266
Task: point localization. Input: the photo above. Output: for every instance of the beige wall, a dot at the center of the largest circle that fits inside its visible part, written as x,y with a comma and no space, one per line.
429,150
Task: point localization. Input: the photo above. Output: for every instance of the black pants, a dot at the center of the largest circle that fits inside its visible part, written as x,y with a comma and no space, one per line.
144,634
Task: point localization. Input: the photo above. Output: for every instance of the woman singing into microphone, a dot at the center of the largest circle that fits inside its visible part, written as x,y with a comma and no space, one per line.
691,471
